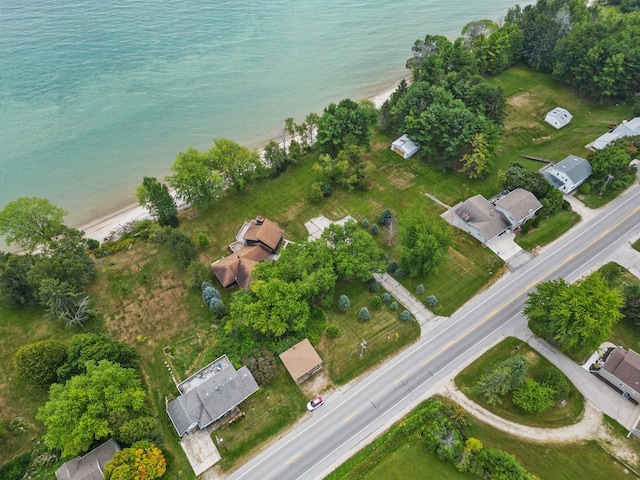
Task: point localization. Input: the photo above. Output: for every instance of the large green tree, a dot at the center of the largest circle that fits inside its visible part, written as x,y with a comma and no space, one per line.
194,179
15,287
239,165
142,461
155,196
425,243
91,407
94,347
579,317
342,125
31,221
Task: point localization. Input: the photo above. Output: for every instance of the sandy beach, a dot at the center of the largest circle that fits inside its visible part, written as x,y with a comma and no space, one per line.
114,224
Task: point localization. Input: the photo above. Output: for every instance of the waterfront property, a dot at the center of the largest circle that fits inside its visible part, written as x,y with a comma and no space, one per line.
212,393
256,241
568,174
486,219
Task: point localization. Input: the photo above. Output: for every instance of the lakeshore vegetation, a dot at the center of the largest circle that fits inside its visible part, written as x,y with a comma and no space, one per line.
119,311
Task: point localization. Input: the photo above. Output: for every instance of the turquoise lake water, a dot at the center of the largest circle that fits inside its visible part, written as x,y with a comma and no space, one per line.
94,94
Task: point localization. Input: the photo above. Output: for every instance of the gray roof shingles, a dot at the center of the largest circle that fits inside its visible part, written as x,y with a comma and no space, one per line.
91,465
576,168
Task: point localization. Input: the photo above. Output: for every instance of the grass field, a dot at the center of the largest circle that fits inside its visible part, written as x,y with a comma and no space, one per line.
558,416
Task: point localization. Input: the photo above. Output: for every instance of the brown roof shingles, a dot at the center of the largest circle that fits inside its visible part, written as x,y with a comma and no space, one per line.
265,232
625,365
300,359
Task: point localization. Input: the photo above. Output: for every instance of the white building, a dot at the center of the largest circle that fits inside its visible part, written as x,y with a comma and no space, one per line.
628,128
558,117
404,146
568,174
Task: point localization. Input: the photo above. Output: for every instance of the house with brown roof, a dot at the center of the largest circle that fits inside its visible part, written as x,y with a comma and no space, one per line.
301,361
91,465
256,241
622,369
486,219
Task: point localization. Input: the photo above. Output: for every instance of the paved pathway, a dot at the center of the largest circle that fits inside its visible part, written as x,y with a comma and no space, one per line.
403,296
439,202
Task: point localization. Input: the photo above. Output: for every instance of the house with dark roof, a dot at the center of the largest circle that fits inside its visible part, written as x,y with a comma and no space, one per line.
558,117
568,174
486,219
301,361
209,394
91,465
404,146
256,241
628,128
622,369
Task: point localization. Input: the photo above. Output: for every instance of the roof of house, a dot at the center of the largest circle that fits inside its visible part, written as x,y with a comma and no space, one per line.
576,168
237,267
625,365
628,128
264,231
520,202
220,391
405,144
91,465
478,212
300,359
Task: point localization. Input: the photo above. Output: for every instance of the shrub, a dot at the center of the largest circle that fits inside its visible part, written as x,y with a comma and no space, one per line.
386,297
209,293
374,229
405,315
533,397
526,227
394,306
333,331
585,188
364,314
316,195
399,273
376,302
344,303
386,217
392,266
420,289
202,240
374,286
92,244
136,429
432,301
196,274
535,223
181,246
364,223
262,365
558,382
38,362
216,305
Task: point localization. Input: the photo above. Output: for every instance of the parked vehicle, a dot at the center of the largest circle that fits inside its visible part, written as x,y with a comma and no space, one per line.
315,403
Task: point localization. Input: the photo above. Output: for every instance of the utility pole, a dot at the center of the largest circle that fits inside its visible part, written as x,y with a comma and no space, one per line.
363,345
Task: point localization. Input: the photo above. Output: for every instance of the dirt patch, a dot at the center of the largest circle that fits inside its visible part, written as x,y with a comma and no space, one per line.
522,100
402,180
318,384
541,139
532,358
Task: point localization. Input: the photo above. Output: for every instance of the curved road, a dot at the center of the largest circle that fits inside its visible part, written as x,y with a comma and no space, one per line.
355,414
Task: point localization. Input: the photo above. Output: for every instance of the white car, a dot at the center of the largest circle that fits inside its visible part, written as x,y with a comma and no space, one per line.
315,403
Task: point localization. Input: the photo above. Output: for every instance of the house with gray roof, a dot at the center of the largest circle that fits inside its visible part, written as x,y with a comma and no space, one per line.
91,465
486,219
209,394
628,128
622,369
568,174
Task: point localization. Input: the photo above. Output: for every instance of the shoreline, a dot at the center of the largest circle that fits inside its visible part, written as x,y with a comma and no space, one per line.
113,224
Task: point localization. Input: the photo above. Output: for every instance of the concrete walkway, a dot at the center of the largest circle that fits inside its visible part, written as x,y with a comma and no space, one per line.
404,297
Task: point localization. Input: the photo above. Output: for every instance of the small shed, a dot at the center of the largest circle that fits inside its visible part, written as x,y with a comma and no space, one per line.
404,146
558,117
301,361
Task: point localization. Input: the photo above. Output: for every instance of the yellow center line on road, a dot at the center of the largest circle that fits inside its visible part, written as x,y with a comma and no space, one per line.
349,417
293,459
524,290
401,378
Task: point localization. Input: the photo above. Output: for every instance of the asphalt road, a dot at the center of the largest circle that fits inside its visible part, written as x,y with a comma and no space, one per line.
354,415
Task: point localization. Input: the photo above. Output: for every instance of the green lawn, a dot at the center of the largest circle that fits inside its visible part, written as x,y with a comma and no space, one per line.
556,417
549,230
414,460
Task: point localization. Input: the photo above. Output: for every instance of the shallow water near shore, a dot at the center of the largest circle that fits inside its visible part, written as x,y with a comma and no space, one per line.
96,94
